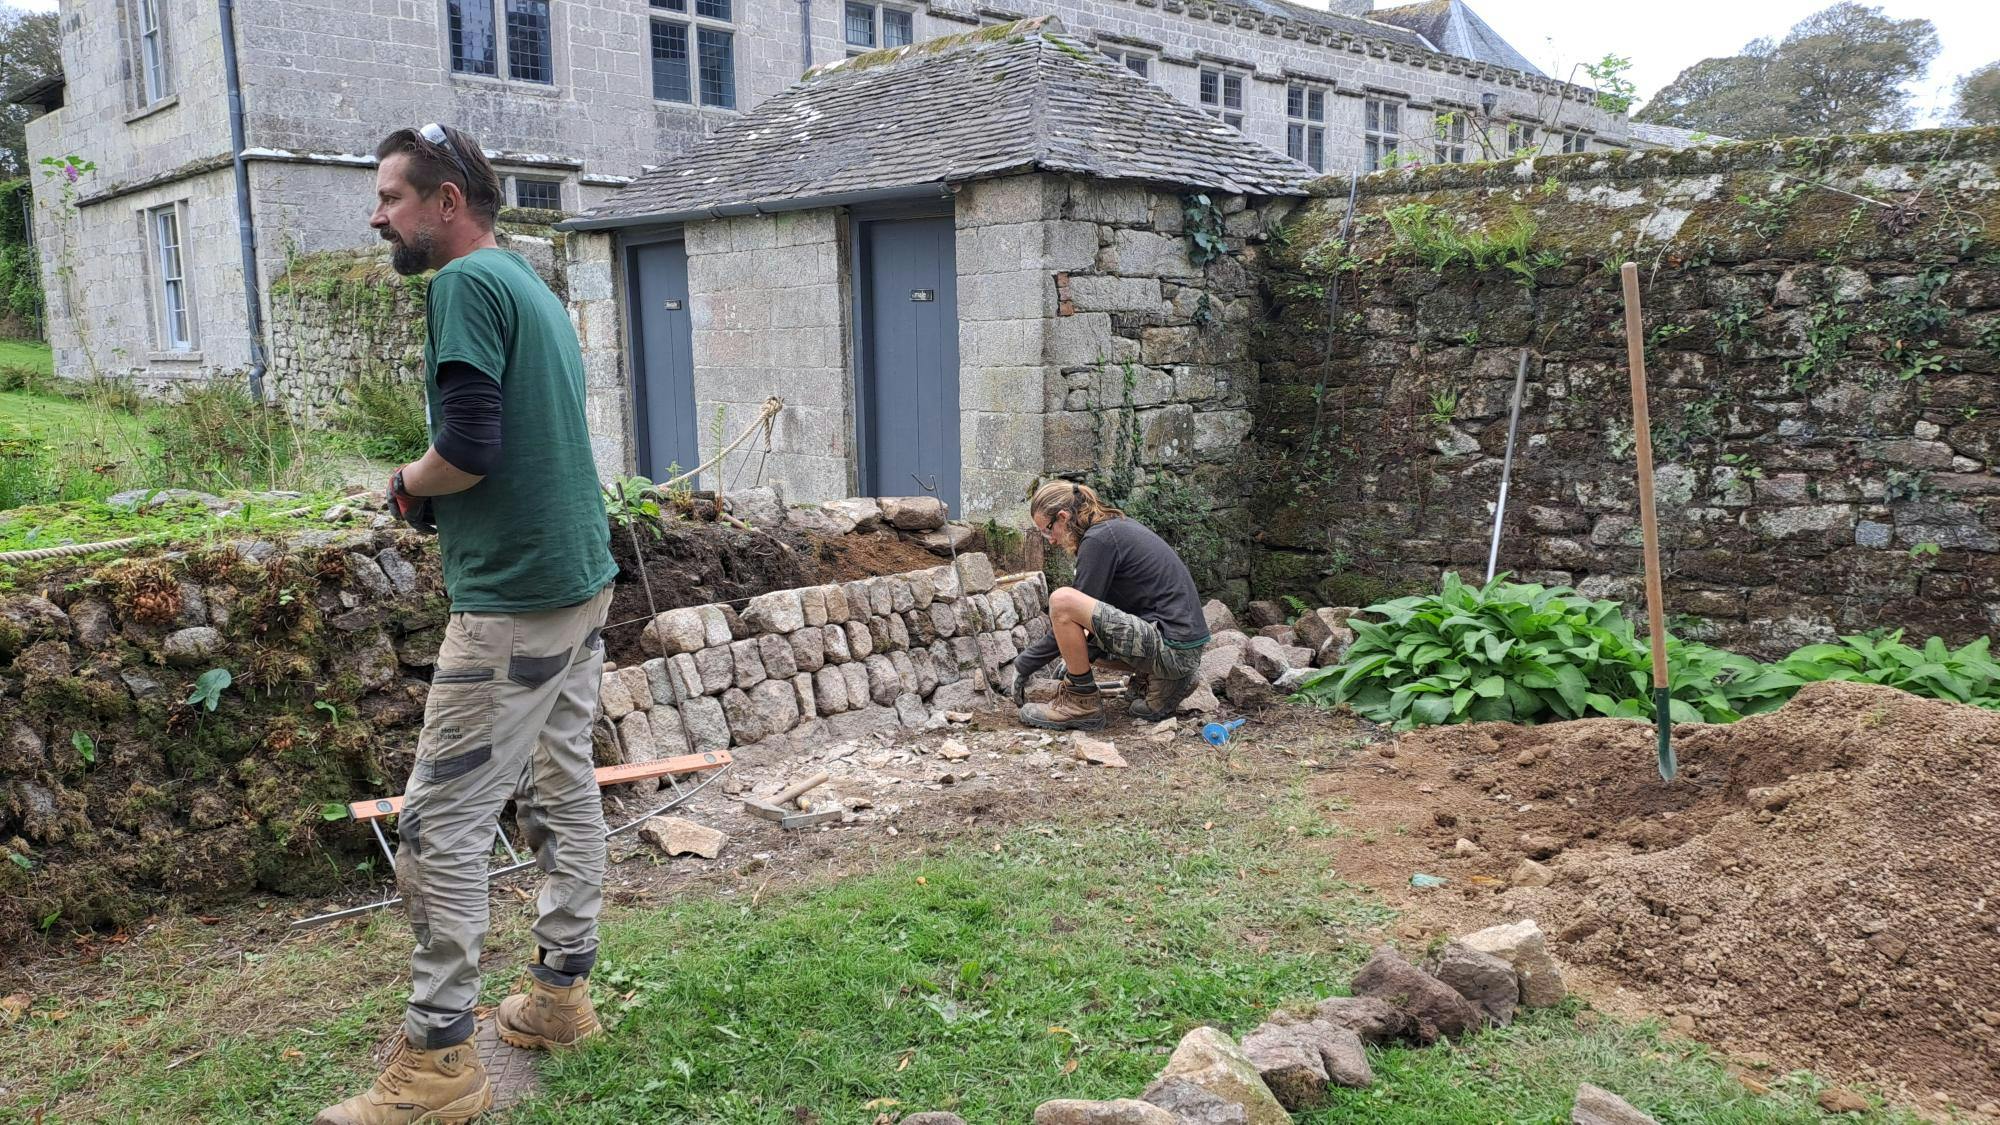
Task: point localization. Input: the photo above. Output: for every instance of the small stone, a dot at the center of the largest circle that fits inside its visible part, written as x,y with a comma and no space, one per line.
1218,616
1209,1059
186,647
958,716
914,513
1521,945
1840,1099
1192,1105
337,513
1465,847
402,576
1682,1024
1482,978
1531,874
1372,1020
1247,689
1433,1005
678,836
1125,1111
1200,701
1095,751
953,751
1267,657
1598,1106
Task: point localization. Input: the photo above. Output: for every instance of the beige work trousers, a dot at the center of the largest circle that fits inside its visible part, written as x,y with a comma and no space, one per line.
509,717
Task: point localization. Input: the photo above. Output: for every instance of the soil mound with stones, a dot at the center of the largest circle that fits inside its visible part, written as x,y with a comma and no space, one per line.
1819,887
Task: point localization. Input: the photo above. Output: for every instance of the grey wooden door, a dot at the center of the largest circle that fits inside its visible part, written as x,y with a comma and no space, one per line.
662,358
909,346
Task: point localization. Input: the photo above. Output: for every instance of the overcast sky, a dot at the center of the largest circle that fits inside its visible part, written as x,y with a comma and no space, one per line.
1662,39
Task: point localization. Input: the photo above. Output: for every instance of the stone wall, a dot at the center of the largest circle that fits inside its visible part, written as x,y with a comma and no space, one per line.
1148,375
1823,326
338,316
824,663
768,305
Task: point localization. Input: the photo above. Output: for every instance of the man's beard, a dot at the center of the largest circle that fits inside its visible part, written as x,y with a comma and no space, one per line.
413,256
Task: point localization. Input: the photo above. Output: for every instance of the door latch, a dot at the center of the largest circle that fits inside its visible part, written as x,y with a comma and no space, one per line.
923,294
673,304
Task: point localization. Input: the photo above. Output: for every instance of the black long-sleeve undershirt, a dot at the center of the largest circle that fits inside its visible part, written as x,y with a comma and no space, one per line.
469,436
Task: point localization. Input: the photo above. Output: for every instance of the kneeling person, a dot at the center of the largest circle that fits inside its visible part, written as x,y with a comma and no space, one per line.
1132,603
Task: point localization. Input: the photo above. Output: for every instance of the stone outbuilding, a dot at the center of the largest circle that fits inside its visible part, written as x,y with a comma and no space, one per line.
964,265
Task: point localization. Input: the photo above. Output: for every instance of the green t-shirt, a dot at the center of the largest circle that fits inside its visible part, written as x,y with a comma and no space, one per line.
532,535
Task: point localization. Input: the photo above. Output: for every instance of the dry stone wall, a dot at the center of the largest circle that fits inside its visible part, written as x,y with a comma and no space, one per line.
1822,323
824,663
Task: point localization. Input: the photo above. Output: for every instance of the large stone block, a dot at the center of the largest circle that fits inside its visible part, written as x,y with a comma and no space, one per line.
707,724
808,648
1522,946
635,739
881,600
1138,253
835,597
686,675
676,631
777,704
944,619
859,688
777,612
812,601
926,670
830,690
1434,1007
717,667
749,663
715,625
860,641
614,697
1482,978
884,685
975,573
944,662
834,642
1116,294
776,652
746,724
906,670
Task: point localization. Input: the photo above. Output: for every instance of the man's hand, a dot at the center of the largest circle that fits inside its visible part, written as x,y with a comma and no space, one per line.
1023,672
413,510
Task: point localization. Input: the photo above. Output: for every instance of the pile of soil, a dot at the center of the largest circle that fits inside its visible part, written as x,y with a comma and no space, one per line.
1819,888
699,563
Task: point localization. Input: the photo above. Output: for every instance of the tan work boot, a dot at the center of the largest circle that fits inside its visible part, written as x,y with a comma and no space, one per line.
547,1016
442,1087
1162,699
1070,710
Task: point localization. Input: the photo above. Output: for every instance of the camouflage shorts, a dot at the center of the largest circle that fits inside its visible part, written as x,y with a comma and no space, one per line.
1137,642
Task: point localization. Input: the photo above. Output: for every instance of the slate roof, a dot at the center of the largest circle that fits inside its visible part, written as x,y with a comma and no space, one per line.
1333,21
1013,98
1451,27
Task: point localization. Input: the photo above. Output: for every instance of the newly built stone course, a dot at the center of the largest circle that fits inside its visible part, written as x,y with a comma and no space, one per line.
824,663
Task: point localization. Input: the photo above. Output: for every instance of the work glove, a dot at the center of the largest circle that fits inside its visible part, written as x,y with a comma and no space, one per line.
1024,670
412,510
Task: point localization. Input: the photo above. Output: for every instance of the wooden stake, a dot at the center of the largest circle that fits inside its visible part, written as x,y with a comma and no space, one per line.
1642,431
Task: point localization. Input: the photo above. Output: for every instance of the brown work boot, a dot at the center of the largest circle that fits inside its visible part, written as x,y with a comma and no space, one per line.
1162,699
547,1016
441,1087
1070,710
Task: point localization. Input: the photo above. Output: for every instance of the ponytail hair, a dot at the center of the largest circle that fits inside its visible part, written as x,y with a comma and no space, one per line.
1086,509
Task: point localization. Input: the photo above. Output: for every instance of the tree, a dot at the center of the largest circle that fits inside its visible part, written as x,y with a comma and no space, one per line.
30,49
1840,70
1976,98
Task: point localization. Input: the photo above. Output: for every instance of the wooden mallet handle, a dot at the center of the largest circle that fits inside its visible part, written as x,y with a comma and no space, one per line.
801,788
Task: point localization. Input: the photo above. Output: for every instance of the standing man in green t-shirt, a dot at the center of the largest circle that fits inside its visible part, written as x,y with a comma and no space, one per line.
511,487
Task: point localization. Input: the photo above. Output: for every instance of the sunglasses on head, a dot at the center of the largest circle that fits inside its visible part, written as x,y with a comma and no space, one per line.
435,135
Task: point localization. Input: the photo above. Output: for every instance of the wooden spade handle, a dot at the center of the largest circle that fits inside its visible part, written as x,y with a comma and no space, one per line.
1642,433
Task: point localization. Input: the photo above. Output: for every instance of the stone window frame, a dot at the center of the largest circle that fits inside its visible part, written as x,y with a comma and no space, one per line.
1381,130
1138,62
1305,124
1574,141
150,86
505,64
694,27
161,290
878,25
1521,135
1449,133
514,182
1213,84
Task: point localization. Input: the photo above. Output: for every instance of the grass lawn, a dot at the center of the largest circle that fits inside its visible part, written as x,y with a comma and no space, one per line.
27,353
995,972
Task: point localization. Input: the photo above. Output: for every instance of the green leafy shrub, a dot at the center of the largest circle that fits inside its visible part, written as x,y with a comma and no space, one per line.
386,416
1963,675
1517,652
